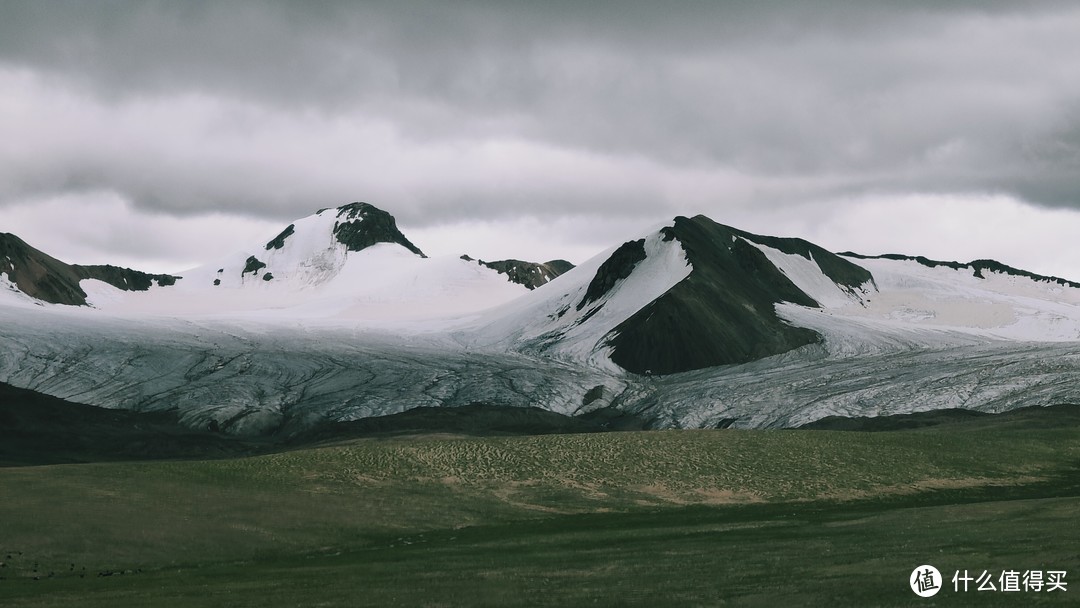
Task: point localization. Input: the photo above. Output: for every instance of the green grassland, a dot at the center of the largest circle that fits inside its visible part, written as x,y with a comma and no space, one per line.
638,518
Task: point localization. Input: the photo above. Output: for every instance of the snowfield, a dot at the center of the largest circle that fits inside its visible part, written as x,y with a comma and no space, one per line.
919,307
340,335
312,276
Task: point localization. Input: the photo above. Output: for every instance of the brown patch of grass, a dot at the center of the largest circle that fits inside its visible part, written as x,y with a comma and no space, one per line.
928,484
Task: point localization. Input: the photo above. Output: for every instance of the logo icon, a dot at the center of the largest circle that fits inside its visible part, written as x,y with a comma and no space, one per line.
925,581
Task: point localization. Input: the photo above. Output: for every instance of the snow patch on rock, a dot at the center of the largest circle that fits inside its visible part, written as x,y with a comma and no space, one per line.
808,277
550,322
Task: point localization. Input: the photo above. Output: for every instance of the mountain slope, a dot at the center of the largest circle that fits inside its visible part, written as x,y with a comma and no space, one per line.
37,429
45,278
568,319
724,312
350,262
309,252
690,295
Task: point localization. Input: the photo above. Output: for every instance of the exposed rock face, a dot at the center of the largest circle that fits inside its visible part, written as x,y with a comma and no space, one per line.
126,278
529,274
361,225
44,277
614,269
279,241
842,272
39,275
253,265
724,312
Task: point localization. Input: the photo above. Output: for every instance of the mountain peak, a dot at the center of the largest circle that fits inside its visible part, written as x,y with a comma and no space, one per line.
724,312
691,295
361,225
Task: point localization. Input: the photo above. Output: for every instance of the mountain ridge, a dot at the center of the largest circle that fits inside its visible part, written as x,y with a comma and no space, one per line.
306,257
724,311
529,274
365,225
692,324
978,267
46,278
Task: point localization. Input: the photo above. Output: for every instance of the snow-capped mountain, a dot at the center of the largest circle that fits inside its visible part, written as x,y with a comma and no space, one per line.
311,251
692,324
689,295
350,262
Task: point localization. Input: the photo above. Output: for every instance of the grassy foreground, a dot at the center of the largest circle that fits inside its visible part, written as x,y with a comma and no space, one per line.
645,518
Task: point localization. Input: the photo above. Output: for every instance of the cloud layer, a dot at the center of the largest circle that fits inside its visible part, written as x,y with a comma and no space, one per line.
471,112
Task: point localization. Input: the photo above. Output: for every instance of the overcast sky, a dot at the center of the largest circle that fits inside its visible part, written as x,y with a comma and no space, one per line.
162,134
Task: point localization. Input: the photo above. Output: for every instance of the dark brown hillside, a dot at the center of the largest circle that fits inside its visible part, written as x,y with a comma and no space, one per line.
46,278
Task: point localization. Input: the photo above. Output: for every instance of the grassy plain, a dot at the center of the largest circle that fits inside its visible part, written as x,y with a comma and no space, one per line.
639,518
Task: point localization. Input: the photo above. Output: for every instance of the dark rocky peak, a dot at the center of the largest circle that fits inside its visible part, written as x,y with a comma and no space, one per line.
559,266
357,210
529,274
724,312
361,225
46,278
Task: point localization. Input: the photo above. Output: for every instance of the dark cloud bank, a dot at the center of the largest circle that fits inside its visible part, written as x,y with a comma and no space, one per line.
448,111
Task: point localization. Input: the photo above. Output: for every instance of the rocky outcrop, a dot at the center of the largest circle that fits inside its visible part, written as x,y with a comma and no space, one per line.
529,274
361,225
279,241
253,265
617,267
46,278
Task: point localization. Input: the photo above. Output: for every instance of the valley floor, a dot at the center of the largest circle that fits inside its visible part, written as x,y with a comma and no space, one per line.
639,518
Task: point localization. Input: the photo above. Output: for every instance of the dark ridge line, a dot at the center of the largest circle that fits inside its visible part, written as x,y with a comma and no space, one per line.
279,241
977,266
45,278
529,274
617,267
365,225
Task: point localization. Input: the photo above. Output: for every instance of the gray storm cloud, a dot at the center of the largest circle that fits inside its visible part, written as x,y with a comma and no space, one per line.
465,110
